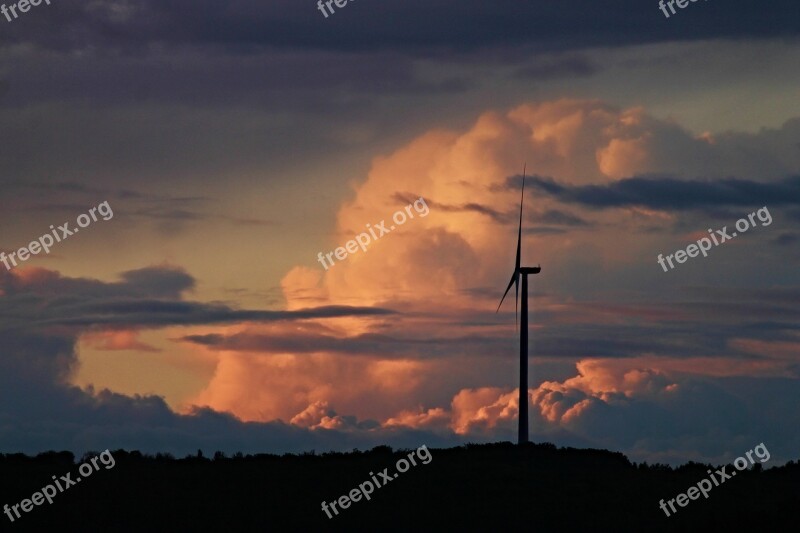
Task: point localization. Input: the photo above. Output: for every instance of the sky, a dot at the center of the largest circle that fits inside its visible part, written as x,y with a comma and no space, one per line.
226,146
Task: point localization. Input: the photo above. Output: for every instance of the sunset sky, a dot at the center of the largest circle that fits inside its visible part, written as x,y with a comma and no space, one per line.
235,141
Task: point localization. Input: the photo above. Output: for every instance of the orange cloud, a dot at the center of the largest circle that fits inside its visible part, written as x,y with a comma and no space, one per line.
436,418
116,340
484,408
472,411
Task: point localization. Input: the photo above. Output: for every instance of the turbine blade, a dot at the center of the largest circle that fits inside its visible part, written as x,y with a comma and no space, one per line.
519,231
515,277
516,304
519,246
513,281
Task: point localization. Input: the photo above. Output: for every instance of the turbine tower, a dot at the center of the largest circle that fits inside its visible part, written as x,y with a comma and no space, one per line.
520,271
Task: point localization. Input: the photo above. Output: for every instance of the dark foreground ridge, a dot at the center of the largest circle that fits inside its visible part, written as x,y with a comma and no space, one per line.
470,488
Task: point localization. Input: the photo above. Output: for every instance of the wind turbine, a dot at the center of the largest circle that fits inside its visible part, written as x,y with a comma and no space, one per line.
520,271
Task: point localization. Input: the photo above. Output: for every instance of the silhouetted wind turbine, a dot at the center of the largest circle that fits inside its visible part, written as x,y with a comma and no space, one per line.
520,271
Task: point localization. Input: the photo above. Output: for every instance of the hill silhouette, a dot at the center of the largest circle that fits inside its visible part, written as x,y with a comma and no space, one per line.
470,488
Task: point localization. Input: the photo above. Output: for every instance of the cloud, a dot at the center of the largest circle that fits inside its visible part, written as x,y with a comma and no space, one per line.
786,239
163,282
675,194
146,297
480,410
319,416
307,339
551,216
248,25
117,340
557,67
433,419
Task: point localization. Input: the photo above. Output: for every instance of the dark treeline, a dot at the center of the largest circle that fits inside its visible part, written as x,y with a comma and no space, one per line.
470,488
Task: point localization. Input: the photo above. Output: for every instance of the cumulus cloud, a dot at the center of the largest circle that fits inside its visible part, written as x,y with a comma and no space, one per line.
319,415
665,415
483,409
437,418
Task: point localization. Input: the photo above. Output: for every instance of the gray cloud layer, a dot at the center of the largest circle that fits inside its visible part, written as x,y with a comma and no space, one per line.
411,25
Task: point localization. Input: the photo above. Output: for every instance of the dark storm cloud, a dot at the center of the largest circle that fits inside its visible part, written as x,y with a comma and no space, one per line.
469,207
159,282
786,239
382,346
412,25
671,193
148,297
544,231
146,423
184,215
559,218
551,216
564,67
555,342
794,214
158,313
191,75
